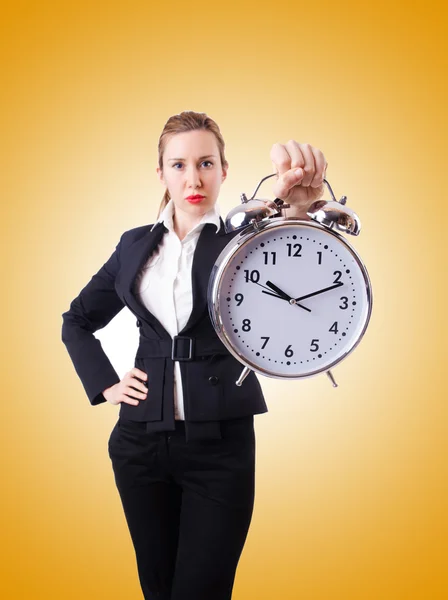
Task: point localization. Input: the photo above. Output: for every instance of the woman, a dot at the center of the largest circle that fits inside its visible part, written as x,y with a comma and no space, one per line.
183,449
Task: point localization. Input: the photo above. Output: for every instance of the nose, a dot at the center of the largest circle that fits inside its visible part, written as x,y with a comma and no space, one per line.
193,178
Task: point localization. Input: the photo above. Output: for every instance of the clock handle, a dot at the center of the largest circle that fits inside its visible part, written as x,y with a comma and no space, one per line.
330,375
244,373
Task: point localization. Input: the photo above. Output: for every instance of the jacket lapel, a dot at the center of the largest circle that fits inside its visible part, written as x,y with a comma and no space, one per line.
139,253
208,248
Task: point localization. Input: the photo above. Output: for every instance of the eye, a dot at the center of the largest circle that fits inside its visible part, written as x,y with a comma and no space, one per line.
174,165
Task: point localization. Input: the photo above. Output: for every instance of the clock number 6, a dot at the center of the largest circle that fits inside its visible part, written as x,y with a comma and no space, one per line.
289,352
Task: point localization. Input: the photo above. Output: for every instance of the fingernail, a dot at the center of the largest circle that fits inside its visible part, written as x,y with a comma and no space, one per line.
298,172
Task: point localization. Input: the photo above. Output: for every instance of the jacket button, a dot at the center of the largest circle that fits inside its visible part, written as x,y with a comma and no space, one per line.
213,380
138,323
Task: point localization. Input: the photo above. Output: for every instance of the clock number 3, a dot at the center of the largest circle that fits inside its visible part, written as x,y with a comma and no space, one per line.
345,302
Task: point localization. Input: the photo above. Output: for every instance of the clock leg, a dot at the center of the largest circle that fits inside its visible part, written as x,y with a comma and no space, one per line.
330,375
244,373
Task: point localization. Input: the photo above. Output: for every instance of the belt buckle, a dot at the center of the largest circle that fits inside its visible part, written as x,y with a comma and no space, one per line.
176,338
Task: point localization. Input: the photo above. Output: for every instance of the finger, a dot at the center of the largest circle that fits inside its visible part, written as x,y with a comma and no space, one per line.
309,167
138,383
129,400
281,160
139,373
135,391
298,159
321,166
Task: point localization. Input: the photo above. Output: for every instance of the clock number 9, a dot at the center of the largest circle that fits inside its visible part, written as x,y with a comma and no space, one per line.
253,276
239,298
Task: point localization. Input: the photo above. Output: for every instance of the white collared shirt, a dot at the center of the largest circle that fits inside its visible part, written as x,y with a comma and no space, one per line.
164,283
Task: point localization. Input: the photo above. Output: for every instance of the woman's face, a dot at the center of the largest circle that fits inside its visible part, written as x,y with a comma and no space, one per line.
192,167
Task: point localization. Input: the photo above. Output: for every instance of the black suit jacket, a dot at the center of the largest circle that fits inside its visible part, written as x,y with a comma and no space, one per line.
208,380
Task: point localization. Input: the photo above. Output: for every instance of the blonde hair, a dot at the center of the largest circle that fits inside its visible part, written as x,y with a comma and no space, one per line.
188,121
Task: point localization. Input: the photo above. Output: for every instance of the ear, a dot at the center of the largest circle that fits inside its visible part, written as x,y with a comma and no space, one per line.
224,173
160,175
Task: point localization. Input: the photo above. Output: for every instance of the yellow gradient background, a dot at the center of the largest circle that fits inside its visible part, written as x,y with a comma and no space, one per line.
352,493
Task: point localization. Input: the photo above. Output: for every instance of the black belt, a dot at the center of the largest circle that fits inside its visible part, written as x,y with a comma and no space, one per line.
180,347
184,348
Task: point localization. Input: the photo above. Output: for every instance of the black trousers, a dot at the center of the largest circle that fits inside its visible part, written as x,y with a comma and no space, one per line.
188,506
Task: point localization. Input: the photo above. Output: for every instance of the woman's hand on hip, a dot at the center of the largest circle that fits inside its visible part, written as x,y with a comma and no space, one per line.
129,390
300,172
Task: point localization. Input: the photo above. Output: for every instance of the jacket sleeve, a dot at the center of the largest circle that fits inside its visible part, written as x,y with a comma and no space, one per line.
92,309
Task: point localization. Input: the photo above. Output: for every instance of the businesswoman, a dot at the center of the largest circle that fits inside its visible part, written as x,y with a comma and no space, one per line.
183,448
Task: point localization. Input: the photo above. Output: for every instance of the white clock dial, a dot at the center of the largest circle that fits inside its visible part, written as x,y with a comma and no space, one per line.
293,299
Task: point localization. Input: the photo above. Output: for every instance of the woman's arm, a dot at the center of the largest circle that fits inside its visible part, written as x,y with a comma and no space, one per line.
92,309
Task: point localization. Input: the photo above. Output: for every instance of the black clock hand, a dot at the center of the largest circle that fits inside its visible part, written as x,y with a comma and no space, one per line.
332,287
265,288
280,292
283,295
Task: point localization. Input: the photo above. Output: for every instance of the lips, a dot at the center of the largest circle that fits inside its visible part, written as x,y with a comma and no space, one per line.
195,199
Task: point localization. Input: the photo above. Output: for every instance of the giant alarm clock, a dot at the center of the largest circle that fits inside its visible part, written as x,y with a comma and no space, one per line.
288,297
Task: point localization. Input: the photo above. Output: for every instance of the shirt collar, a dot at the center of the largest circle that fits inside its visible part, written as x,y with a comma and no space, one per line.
212,216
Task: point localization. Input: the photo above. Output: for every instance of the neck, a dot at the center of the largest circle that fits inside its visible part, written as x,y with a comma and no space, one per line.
183,223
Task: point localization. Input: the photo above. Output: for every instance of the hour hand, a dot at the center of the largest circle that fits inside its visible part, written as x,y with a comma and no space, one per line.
283,295
280,292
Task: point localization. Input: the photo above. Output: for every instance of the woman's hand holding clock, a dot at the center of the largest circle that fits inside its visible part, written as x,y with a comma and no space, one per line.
126,390
301,170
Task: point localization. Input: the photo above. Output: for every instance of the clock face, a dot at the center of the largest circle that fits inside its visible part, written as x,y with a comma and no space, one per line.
291,300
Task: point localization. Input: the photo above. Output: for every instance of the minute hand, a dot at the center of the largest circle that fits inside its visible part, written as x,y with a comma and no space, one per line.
332,287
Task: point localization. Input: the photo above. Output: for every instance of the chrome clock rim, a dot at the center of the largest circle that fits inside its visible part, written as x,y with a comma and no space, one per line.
222,264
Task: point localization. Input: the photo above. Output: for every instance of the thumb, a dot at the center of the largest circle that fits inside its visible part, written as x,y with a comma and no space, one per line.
288,180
